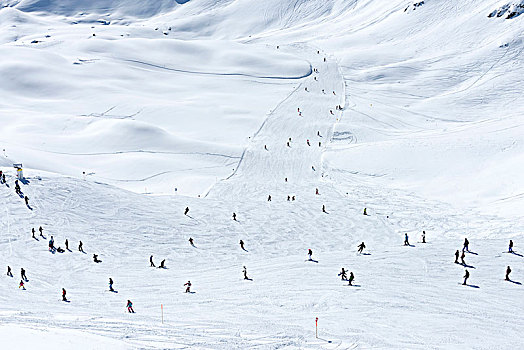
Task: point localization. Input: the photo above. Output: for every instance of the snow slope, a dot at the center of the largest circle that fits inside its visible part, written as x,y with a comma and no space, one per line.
204,98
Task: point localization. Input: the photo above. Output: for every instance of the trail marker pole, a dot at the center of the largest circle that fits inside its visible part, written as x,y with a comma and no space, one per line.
316,327
162,308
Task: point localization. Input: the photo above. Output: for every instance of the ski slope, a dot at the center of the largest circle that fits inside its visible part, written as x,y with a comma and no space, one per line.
203,96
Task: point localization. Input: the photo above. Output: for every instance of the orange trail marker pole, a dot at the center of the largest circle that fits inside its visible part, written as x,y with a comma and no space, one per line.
162,308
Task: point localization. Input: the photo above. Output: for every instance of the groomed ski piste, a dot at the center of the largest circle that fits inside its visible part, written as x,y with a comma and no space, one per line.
124,113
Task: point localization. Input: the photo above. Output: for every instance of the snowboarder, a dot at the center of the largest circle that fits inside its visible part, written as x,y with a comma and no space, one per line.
81,247
186,211
22,274
111,285
406,239
162,266
351,278
130,307
343,275
95,258
361,247
9,273
244,271
466,245
188,286
242,245
26,200
466,276
64,294
310,253
21,285
67,244
235,216
365,211
323,208
508,271
457,254
423,236
510,249
316,191
462,256
269,198
151,261
191,241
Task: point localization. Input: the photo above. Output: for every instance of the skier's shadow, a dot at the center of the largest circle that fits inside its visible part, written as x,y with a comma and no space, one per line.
366,254
114,291
248,279
29,207
467,251
162,267
245,250
409,245
36,239
69,250
328,341
190,292
515,282
472,286
312,260
353,285
66,301
517,254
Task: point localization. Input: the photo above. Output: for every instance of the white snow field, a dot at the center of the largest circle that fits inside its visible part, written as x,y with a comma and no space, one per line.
123,113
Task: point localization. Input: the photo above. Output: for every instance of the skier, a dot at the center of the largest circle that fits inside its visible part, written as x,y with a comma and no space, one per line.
307,141
162,266
285,179
292,198
508,271
287,143
365,211
151,261
130,307
343,275
244,271
21,285
9,273
186,211
51,244
22,274
466,245
318,134
64,295
269,198
26,200
361,247
188,285
265,147
310,253
319,144
33,231
510,250
288,198
67,244
457,254
351,278
466,276
423,236
41,231
191,241
323,208
95,258
462,256
80,247
111,285
406,239
316,191
242,245
235,216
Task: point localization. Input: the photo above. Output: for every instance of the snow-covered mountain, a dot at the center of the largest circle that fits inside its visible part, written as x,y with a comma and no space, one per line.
124,113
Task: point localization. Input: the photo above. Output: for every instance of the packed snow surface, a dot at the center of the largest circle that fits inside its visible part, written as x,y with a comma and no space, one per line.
124,113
